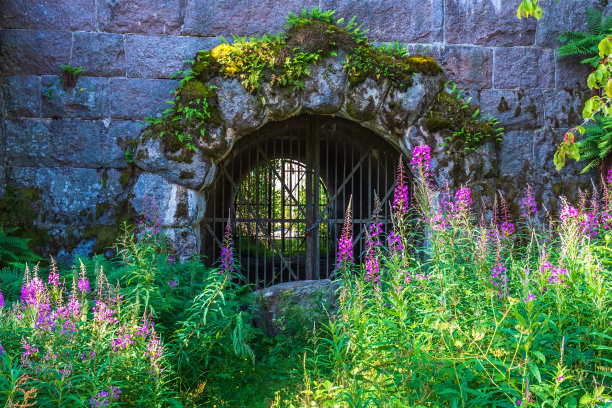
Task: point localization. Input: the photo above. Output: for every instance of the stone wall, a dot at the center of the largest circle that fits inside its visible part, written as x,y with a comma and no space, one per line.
69,143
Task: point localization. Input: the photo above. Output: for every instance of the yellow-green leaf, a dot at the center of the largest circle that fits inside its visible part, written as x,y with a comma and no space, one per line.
605,47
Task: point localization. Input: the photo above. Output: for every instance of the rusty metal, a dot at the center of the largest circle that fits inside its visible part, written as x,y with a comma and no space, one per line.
287,186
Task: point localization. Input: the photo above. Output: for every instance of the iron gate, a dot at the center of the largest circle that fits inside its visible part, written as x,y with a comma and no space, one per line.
287,186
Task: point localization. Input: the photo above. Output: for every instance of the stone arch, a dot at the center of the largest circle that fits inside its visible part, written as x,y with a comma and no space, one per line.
177,183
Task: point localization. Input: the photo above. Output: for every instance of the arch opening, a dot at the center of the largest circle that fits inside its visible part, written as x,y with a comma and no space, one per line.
287,186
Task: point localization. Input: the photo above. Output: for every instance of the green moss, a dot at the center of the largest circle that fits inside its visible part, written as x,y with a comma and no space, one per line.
186,174
194,90
124,178
104,179
101,209
283,61
503,106
466,128
557,188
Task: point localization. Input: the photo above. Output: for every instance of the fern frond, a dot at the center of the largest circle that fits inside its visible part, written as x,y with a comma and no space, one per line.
594,20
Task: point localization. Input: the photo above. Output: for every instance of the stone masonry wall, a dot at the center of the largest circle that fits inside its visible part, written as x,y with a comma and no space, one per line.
69,143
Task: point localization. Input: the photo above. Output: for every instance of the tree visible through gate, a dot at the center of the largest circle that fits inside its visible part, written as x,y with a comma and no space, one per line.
287,186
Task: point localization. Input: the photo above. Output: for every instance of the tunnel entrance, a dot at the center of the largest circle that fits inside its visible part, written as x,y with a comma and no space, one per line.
287,186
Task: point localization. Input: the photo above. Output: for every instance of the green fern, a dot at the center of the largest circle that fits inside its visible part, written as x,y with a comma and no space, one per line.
581,43
14,250
597,142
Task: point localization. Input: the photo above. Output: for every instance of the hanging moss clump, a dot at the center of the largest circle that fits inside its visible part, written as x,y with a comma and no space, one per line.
282,60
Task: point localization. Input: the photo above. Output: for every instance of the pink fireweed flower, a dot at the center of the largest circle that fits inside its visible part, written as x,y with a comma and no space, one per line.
227,266
421,161
32,292
104,313
528,204
54,278
507,229
394,242
2,351
345,246
122,342
401,195
463,200
1,300
568,213
29,350
558,275
499,278
83,283
529,298
609,176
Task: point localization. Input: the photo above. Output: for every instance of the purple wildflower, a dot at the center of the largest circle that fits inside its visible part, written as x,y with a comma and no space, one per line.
568,212
463,200
83,281
401,196
609,177
529,297
507,229
227,266
528,204
104,313
345,246
32,291
29,350
421,161
54,278
499,278
2,351
1,300
173,283
122,342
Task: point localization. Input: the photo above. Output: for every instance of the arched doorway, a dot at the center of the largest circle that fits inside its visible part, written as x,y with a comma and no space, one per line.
287,186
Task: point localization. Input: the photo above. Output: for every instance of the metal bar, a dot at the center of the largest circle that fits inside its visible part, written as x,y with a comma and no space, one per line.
258,226
309,204
316,200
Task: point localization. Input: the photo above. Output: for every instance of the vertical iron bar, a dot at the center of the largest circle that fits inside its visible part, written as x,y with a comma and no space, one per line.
316,250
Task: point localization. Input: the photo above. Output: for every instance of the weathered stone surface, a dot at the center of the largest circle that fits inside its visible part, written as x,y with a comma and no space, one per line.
141,16
120,132
176,205
469,67
363,101
523,109
487,23
34,52
157,56
394,20
196,175
50,14
545,144
479,164
99,54
239,17
516,153
240,110
50,143
22,96
310,297
524,68
571,74
401,108
324,89
216,143
135,98
88,99
186,241
69,195
563,109
280,102
561,17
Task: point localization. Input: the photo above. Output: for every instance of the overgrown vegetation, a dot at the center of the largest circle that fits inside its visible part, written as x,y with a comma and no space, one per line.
467,127
283,60
501,313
